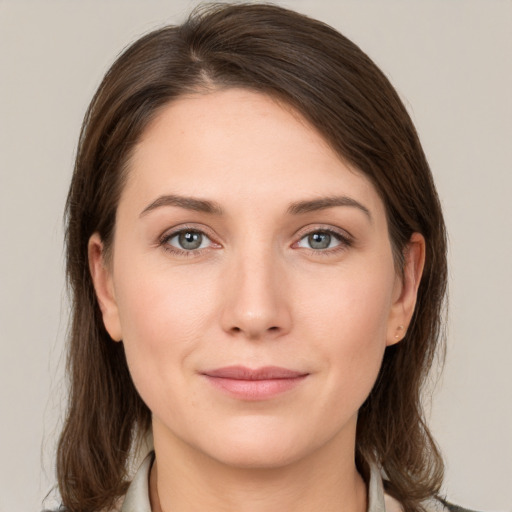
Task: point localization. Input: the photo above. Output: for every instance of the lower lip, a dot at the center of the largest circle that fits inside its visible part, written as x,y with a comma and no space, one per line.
255,389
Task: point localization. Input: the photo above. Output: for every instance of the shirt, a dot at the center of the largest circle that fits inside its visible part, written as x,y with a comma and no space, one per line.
137,497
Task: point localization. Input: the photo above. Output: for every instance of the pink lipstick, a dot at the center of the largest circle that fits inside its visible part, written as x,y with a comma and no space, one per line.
254,384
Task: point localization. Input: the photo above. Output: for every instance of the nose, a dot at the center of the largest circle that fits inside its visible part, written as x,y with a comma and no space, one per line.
256,297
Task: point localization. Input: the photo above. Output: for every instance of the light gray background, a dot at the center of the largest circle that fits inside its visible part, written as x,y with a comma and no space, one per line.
451,62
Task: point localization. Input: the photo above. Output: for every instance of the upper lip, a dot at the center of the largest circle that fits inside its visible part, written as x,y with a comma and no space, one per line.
263,373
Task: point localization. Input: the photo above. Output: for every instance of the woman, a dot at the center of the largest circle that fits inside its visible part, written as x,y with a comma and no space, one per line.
257,257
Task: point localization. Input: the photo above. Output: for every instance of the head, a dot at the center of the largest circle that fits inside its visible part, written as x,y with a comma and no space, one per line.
279,60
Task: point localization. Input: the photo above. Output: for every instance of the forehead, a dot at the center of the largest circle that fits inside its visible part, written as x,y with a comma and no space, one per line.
241,145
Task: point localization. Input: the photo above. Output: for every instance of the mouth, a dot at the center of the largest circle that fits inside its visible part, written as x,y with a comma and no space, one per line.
254,384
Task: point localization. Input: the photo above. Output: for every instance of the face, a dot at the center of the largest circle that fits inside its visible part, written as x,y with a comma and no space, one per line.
252,281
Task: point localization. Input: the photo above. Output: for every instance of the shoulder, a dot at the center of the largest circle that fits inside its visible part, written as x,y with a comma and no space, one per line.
439,504
454,508
64,509
436,504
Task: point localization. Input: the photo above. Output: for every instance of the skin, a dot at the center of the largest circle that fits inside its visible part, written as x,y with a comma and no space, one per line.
255,294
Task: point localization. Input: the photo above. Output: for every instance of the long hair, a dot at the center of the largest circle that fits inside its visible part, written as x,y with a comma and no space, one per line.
332,83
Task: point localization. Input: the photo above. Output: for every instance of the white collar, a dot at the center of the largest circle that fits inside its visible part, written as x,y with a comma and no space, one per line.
137,497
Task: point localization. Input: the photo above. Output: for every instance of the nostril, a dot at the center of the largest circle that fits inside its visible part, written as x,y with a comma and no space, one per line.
237,330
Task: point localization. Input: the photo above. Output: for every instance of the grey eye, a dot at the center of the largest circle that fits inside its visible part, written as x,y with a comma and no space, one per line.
319,240
189,240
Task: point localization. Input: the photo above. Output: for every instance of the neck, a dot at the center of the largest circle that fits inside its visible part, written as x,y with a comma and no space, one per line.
185,480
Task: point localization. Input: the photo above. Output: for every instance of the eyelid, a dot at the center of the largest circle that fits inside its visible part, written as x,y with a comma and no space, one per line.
343,234
176,230
345,238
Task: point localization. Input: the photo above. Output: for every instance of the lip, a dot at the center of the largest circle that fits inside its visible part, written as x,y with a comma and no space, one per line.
254,383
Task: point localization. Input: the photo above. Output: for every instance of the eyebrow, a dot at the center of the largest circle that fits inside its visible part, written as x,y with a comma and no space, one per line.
211,207
189,203
323,203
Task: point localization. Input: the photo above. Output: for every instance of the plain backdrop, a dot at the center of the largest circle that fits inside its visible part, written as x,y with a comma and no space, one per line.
451,63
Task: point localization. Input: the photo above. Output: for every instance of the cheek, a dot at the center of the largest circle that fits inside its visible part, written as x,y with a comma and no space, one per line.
161,306
162,316
349,324
351,305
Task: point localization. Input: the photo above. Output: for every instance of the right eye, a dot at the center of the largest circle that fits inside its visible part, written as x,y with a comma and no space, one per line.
187,240
320,240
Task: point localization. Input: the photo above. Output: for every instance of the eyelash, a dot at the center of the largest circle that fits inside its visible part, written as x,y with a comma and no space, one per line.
345,241
164,242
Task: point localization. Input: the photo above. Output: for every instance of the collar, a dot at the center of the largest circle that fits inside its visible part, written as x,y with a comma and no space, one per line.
137,497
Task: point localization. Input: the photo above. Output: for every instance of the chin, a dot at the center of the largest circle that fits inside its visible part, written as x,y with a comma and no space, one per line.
252,455
261,446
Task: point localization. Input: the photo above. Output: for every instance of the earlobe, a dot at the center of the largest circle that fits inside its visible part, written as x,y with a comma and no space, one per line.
406,292
103,285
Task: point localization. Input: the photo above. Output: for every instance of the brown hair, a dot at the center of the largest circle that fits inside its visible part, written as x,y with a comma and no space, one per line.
339,90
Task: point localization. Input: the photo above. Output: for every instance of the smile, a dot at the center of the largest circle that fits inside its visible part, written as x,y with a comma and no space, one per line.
254,384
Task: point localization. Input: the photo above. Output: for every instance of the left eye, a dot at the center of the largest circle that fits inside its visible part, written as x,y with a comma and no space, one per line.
320,240
189,240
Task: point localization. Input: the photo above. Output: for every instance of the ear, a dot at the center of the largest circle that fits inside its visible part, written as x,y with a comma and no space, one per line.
103,285
406,289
